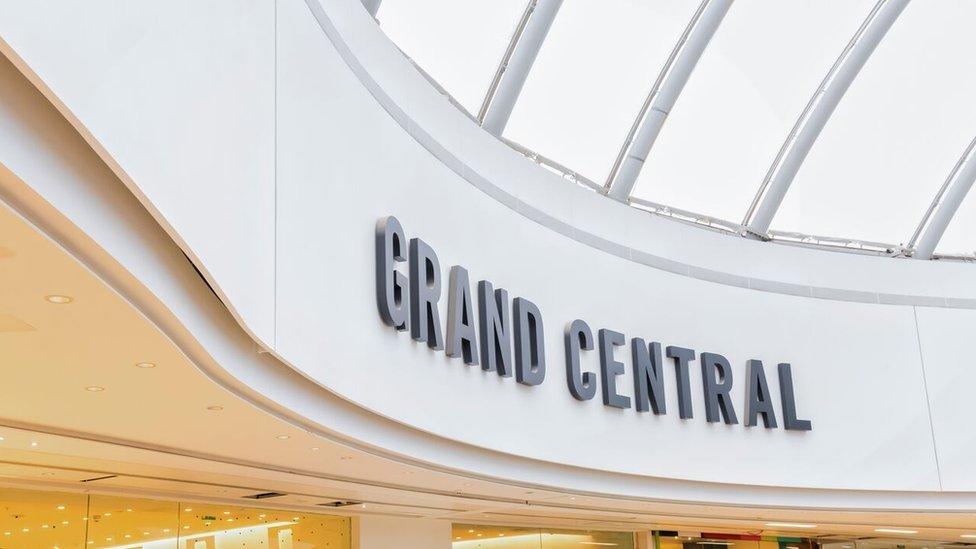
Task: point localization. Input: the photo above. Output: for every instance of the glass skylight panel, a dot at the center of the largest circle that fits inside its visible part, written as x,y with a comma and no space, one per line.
897,133
459,44
591,77
753,81
960,236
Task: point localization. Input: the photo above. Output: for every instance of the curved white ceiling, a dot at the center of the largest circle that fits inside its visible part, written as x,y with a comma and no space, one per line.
880,160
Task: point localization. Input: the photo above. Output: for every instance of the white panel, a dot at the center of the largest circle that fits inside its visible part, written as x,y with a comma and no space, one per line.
945,337
764,63
181,96
896,135
458,43
329,328
591,77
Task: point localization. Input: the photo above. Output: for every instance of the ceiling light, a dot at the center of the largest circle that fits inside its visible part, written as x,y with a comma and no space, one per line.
262,515
127,536
294,518
895,531
45,526
165,530
59,299
226,512
33,444
315,448
282,437
60,507
968,536
95,388
230,520
145,533
188,509
64,522
25,529
128,510
790,525
2,439
470,531
215,408
187,527
108,514
145,365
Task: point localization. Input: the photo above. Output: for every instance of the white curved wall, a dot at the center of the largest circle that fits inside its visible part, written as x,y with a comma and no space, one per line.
360,135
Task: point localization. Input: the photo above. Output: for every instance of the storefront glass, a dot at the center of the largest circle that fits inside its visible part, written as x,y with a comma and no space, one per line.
472,536
75,521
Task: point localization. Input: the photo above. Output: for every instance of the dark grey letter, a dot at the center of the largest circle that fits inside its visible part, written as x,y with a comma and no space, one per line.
681,358
579,336
461,334
530,350
757,398
789,402
648,376
610,368
717,389
425,291
392,296
493,323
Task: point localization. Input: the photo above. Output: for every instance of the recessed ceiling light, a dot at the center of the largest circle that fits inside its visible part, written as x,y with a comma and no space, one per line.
294,518
59,299
226,512
790,525
25,529
895,531
188,509
128,510
230,520
33,444
215,408
2,439
60,507
315,448
187,527
262,515
145,365
94,388
108,514
64,522
127,536
45,526
282,437
165,530
145,533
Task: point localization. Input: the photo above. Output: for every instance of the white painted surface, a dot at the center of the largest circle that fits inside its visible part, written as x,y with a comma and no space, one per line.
343,161
381,532
179,98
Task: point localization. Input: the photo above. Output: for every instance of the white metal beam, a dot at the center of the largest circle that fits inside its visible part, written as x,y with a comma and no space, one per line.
814,117
663,96
516,63
372,6
945,205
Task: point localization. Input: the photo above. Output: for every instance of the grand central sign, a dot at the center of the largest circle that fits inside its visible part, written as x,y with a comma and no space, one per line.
507,337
